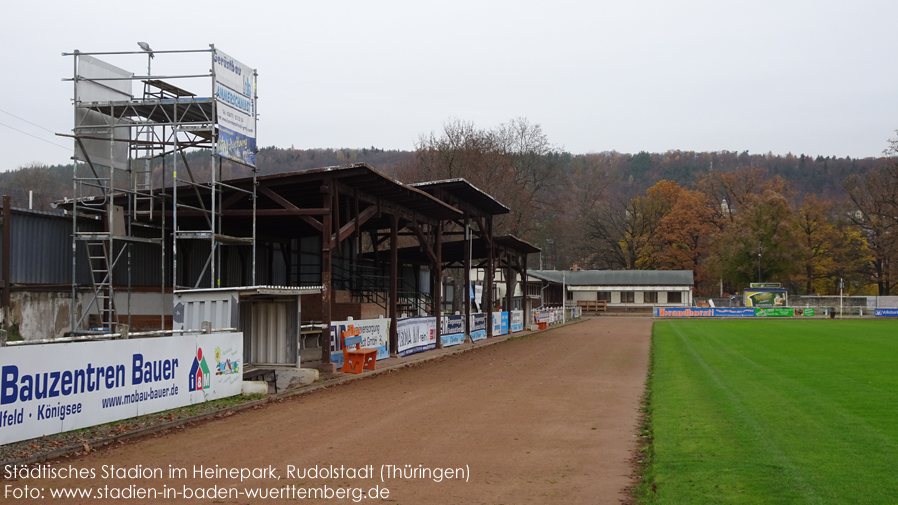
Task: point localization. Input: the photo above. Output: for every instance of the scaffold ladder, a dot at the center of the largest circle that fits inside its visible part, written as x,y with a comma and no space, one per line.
98,253
142,185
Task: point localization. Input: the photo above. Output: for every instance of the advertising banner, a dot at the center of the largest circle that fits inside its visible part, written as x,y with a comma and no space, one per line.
497,323
541,316
503,323
478,326
552,317
776,312
238,147
683,312
885,312
375,334
54,388
766,297
704,312
517,320
733,312
806,312
235,99
453,330
416,334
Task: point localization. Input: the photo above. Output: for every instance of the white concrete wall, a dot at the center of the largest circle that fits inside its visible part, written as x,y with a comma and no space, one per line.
583,295
638,297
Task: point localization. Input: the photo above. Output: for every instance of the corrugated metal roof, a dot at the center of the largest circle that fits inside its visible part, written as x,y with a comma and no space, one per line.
464,190
617,277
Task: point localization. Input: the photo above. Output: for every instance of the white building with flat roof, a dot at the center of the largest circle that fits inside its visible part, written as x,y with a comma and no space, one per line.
622,288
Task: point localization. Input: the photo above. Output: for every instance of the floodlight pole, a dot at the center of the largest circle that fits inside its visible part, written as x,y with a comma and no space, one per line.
759,261
563,296
841,285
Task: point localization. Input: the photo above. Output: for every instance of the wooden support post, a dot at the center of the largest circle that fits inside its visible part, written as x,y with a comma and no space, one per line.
336,219
326,295
438,282
469,238
490,271
509,284
525,299
394,284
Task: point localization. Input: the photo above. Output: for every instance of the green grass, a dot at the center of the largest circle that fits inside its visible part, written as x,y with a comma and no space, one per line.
772,411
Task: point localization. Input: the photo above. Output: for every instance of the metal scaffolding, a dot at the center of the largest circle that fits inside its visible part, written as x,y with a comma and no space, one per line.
129,151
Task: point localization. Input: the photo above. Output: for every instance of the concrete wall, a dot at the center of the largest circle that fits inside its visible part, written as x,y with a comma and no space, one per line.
41,314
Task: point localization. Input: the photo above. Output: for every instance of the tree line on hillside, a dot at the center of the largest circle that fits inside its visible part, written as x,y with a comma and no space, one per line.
813,220
731,218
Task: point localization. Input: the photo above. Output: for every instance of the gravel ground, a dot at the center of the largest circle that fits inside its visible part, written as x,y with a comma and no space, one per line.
551,417
98,435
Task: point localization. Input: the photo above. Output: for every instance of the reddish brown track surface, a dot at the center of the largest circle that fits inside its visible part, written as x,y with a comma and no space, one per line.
547,418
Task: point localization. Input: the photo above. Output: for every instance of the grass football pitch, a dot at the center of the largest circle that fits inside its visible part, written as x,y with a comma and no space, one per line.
773,411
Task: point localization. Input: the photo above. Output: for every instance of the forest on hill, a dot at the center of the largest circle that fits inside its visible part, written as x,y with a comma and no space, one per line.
814,219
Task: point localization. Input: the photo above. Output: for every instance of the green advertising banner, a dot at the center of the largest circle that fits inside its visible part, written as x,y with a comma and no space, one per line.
778,312
806,312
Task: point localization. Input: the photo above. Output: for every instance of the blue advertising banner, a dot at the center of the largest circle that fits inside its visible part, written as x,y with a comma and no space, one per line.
704,312
885,312
478,326
503,323
734,312
235,146
453,330
497,323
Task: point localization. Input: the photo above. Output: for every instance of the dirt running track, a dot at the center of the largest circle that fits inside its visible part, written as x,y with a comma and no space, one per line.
547,418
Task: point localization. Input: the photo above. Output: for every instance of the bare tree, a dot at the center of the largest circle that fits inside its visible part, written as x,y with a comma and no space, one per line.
513,162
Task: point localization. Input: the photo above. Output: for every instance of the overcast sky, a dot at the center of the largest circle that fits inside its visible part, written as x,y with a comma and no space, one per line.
812,77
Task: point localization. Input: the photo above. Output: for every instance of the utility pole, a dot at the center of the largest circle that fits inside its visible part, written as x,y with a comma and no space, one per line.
563,296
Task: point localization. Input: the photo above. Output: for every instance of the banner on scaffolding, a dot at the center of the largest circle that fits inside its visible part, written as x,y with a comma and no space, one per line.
54,388
102,138
235,117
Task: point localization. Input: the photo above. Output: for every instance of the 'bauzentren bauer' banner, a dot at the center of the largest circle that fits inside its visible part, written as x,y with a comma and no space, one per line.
53,388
